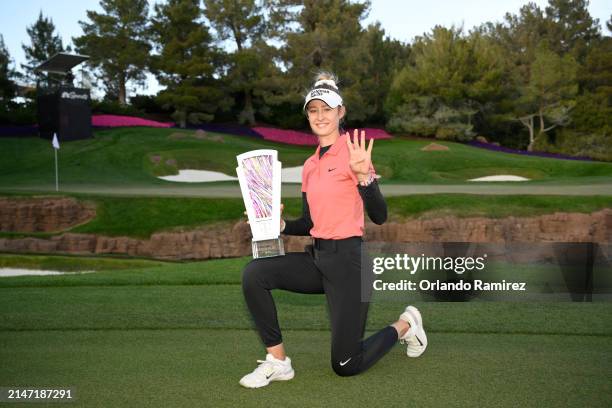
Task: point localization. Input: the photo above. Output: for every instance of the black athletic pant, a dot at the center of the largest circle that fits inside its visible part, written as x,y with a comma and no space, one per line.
333,268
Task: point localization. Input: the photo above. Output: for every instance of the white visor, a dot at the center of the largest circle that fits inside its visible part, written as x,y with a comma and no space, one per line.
331,98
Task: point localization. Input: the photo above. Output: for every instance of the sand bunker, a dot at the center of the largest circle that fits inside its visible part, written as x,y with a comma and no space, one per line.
432,147
292,174
198,176
4,272
500,177
289,175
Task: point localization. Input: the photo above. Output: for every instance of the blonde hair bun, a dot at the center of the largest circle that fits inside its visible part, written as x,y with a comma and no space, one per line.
326,82
326,78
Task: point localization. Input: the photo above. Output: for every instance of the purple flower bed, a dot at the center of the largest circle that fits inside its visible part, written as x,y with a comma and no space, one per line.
111,121
296,137
12,131
227,128
493,147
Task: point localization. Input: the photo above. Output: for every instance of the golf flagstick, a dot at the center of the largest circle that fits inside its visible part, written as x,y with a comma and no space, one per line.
56,147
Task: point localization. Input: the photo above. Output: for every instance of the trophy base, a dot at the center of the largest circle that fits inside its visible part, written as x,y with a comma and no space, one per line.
268,248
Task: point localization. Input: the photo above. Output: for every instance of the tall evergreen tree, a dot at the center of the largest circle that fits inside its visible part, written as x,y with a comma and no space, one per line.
559,35
186,61
328,36
573,29
384,57
550,93
117,42
7,74
44,43
520,35
243,23
450,79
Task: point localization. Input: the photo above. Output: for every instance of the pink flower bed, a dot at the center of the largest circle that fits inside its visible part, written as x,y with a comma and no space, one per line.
287,136
308,139
294,137
372,133
118,121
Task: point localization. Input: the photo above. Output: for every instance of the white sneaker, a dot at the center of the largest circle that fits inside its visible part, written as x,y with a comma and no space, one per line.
270,369
415,337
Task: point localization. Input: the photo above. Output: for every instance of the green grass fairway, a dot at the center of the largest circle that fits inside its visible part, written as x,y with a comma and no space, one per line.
201,368
178,334
132,157
139,217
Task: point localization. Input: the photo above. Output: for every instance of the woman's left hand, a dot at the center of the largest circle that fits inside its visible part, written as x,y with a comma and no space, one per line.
360,158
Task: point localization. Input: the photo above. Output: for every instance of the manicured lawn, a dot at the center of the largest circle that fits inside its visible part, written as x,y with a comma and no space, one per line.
170,334
201,367
178,334
135,156
73,263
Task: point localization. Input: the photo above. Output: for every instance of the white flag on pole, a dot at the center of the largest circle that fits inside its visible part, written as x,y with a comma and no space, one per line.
55,141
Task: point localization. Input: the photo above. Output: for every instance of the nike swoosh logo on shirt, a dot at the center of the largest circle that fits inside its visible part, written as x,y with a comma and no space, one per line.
331,169
343,363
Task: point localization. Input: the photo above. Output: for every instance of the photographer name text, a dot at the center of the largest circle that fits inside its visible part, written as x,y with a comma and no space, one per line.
437,285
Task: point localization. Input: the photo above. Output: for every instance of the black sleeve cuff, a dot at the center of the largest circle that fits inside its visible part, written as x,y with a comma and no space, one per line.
296,227
374,202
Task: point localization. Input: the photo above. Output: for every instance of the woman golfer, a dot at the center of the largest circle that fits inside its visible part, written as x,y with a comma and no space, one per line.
338,183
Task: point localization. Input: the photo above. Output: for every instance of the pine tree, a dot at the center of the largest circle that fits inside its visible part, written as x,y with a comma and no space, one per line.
547,99
117,43
7,85
186,62
539,45
450,79
385,57
44,44
243,22
573,29
329,37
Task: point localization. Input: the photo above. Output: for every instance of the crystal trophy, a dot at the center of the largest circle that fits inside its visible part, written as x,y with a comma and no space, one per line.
259,175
